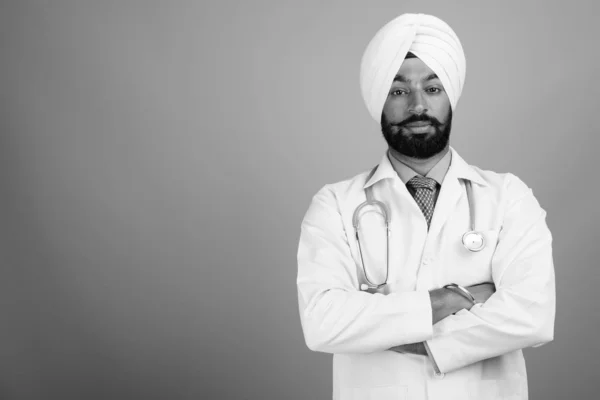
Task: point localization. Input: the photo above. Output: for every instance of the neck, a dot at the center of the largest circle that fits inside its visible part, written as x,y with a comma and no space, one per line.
420,166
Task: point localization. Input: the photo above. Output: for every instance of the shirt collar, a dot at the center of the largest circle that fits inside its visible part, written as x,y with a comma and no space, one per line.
458,167
437,173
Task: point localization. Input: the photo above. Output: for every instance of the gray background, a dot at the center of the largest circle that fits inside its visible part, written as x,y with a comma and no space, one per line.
157,158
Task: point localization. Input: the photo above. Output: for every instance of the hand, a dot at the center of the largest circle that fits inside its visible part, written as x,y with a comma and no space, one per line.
482,292
411,348
445,302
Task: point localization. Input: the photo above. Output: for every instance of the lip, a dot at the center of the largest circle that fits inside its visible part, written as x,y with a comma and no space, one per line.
419,129
418,124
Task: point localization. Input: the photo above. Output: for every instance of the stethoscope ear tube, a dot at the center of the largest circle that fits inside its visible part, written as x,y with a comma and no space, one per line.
383,210
472,240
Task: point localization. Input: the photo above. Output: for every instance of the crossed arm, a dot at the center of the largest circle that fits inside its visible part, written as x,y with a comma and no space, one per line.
445,302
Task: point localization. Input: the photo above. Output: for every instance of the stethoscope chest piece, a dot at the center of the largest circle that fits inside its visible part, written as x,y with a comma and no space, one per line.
473,241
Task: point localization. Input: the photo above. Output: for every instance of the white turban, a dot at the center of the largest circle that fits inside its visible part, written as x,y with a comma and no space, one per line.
427,37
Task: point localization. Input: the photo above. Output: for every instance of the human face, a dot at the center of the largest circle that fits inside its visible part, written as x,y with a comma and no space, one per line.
417,116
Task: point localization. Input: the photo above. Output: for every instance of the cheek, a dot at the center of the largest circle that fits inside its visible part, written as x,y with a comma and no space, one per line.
394,111
441,108
444,116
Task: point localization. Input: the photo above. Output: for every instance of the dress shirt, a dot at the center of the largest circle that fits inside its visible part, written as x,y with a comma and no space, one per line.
437,173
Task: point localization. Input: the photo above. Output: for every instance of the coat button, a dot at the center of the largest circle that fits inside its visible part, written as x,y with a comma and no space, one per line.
439,375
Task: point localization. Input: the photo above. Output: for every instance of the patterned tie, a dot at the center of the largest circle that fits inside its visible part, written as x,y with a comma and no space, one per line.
424,195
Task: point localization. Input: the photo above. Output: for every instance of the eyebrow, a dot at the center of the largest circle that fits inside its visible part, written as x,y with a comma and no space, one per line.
402,78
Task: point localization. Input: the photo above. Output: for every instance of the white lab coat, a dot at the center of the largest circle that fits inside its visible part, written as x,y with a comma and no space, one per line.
478,352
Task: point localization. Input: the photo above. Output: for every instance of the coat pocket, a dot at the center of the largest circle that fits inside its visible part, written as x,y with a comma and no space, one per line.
467,267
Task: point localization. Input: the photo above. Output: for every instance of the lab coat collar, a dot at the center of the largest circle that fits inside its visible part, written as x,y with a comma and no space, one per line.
463,170
384,170
458,168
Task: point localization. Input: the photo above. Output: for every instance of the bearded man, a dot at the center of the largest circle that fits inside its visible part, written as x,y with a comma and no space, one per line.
425,276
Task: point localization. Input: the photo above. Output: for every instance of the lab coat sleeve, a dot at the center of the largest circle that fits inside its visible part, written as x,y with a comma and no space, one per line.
521,312
336,317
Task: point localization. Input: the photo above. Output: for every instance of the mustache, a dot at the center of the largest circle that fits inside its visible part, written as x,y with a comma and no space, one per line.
418,118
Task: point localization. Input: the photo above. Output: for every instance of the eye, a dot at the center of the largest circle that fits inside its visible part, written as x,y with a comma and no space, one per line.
398,92
433,90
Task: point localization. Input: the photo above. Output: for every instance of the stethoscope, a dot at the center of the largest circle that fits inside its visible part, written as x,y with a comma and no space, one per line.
472,240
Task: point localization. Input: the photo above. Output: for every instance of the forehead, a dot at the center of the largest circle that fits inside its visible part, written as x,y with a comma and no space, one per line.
414,69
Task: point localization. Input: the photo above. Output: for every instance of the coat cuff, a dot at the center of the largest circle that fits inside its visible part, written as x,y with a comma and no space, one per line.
437,347
417,304
431,358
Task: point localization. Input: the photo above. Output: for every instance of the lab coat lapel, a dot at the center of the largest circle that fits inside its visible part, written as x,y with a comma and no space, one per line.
450,194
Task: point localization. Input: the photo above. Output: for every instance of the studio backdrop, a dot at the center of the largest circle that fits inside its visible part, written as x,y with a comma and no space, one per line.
157,159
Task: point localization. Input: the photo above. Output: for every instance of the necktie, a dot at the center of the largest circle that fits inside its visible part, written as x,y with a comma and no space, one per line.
424,195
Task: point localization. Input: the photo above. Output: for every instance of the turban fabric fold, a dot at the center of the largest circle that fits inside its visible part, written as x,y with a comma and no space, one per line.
427,37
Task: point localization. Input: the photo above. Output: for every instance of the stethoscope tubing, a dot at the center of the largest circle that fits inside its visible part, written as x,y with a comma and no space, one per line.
472,240
384,210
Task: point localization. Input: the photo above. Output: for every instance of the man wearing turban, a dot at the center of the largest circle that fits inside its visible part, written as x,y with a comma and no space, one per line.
425,276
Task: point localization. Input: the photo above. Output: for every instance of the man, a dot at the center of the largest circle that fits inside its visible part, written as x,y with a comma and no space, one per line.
468,280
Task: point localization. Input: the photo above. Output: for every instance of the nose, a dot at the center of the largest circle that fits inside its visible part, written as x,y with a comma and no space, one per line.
418,104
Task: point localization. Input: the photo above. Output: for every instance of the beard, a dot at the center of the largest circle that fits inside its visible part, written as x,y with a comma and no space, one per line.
420,146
